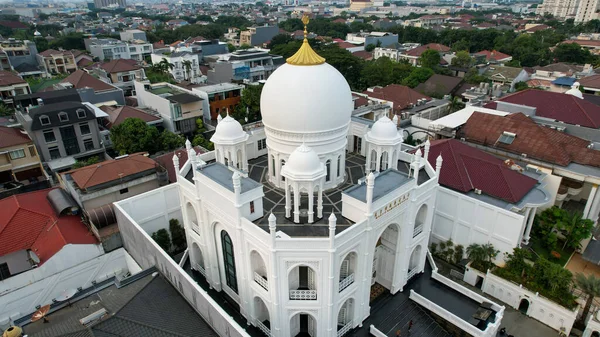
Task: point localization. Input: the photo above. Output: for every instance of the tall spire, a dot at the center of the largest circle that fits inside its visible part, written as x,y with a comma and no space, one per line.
305,56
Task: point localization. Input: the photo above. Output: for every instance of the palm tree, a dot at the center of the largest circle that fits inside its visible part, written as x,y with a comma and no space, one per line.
455,104
5,110
165,66
187,65
590,285
482,255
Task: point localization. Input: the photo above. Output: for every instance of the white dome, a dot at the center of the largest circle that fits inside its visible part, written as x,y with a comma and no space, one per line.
303,163
384,130
228,131
37,33
574,91
301,99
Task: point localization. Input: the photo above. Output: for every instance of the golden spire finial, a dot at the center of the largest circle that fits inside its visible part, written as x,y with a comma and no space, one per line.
305,56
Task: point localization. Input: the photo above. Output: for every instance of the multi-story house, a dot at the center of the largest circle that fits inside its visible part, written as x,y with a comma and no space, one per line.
383,39
19,160
93,90
63,131
252,65
179,59
178,107
121,73
139,50
257,36
19,55
107,49
12,85
219,98
57,61
133,34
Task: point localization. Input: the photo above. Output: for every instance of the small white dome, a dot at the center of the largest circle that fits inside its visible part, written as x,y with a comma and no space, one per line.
304,99
303,163
37,33
574,91
228,131
384,130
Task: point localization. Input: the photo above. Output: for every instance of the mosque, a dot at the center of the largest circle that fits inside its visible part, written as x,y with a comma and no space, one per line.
299,223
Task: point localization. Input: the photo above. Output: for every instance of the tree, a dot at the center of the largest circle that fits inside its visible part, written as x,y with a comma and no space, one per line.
177,235
231,48
482,255
571,226
187,65
462,59
199,140
417,76
280,39
5,110
162,238
455,104
370,47
519,86
430,59
170,141
249,106
200,128
573,53
472,77
165,66
83,163
134,135
590,285
245,46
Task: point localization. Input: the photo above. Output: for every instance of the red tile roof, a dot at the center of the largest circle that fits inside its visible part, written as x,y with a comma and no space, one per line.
346,45
7,78
590,82
537,28
166,161
466,168
363,54
111,170
27,221
493,55
587,43
12,136
416,52
536,141
14,24
401,96
50,52
80,79
118,115
120,65
558,106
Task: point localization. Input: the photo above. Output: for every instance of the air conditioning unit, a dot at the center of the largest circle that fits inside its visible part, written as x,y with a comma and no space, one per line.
477,191
93,317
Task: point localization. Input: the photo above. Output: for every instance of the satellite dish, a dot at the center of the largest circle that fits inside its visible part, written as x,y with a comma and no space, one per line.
66,295
33,256
41,313
13,331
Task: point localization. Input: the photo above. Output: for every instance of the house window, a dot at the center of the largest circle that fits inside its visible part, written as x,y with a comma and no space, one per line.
4,272
84,128
44,120
49,136
63,117
123,191
81,113
16,154
54,152
251,207
88,144
229,261
32,151
262,144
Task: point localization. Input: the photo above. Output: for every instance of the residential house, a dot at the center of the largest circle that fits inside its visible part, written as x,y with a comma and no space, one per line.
108,49
474,182
179,108
590,84
57,61
493,57
412,55
19,160
252,65
258,35
219,98
20,56
440,85
101,184
399,96
82,59
133,35
393,53
93,90
173,24
381,39
12,85
506,76
593,45
427,21
178,59
63,131
117,115
121,73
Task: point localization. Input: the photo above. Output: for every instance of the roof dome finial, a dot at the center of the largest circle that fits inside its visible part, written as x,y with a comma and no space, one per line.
305,56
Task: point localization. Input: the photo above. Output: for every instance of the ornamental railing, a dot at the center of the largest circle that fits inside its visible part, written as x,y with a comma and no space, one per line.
345,329
263,328
195,228
261,281
417,230
303,295
346,282
411,273
200,269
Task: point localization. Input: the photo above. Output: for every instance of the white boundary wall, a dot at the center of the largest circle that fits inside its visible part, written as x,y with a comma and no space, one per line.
540,308
147,253
39,289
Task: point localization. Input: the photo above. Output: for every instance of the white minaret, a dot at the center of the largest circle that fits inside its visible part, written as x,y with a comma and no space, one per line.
230,144
383,145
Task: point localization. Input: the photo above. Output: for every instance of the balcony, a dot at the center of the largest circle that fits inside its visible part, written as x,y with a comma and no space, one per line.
303,295
345,283
261,281
418,230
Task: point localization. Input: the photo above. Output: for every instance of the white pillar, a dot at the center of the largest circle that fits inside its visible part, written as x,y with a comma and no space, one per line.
595,209
188,144
529,225
311,202
176,165
320,201
288,201
332,289
438,166
296,204
590,200
370,188
368,157
378,162
427,146
274,314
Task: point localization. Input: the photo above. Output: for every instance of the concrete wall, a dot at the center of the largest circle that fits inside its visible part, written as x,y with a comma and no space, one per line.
42,146
540,308
147,253
28,161
113,194
161,105
466,220
17,262
72,267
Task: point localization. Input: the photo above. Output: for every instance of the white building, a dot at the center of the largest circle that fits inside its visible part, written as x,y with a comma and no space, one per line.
181,71
108,49
293,229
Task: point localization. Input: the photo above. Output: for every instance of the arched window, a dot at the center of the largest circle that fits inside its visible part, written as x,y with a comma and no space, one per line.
383,162
229,261
373,160
282,164
339,165
273,162
63,117
328,166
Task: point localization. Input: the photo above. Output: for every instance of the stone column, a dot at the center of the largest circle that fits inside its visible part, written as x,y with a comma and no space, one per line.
529,225
296,204
288,201
320,201
590,200
311,202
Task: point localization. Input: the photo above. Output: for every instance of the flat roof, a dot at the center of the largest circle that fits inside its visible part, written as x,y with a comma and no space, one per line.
222,175
209,89
184,98
460,117
385,182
